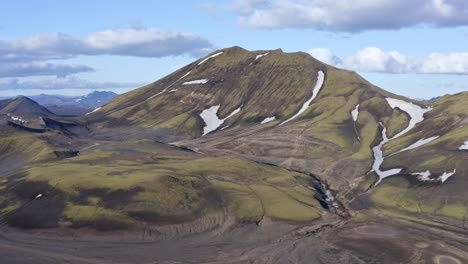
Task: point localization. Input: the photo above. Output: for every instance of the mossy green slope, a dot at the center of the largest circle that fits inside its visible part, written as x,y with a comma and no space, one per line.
110,190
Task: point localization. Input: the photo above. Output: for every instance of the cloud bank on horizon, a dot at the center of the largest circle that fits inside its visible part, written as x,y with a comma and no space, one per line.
61,83
372,59
348,15
28,56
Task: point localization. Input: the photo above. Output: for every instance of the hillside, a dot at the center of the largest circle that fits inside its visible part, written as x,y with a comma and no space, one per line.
260,155
22,106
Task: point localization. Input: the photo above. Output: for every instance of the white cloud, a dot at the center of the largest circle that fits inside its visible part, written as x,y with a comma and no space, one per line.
28,56
373,59
25,69
325,55
376,60
60,84
454,63
350,15
141,42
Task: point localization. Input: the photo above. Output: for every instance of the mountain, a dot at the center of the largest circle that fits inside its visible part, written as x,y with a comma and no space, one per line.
22,106
74,105
249,156
433,99
89,101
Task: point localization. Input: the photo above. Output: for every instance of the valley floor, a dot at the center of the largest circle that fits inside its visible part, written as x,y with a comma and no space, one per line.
373,240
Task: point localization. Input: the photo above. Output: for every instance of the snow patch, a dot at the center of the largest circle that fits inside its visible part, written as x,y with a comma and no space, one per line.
202,81
261,55
355,113
418,144
268,119
212,56
464,146
95,110
17,119
415,112
315,91
211,119
425,176
446,175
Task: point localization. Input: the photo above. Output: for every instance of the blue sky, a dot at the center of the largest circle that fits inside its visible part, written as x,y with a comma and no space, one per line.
418,49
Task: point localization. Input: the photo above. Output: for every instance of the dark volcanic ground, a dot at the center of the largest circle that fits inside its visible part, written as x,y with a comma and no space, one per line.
272,242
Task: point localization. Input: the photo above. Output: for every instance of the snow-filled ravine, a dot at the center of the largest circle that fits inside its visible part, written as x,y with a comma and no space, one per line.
211,119
355,115
165,89
379,158
202,81
210,57
418,144
268,119
261,55
416,114
95,110
315,91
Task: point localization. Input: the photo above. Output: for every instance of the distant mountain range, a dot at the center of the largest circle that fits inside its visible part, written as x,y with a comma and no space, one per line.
89,101
73,105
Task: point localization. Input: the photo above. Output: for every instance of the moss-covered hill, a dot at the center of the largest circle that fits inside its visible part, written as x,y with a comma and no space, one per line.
125,185
248,130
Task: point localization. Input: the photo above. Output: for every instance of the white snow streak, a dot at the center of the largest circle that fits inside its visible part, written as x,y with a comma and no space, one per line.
355,113
185,75
268,119
211,119
165,89
418,144
464,146
378,158
315,91
212,56
261,55
95,110
415,112
202,81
